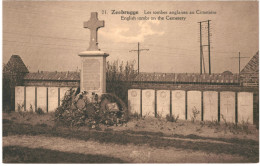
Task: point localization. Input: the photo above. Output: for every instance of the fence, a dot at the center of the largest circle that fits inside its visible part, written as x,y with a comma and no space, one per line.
199,105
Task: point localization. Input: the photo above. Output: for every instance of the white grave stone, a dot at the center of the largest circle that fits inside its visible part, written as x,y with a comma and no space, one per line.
163,103
178,104
245,107
134,101
148,103
30,98
63,91
210,106
19,98
227,107
194,105
52,98
42,98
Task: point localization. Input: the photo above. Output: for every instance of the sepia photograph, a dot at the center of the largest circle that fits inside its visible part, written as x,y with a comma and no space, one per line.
132,82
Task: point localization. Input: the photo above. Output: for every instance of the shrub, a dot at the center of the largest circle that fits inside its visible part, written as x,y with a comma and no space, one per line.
195,114
31,109
119,78
39,111
172,118
85,109
135,116
20,107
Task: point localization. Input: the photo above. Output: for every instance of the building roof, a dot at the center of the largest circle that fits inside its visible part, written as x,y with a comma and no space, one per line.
187,78
252,66
142,77
53,76
16,65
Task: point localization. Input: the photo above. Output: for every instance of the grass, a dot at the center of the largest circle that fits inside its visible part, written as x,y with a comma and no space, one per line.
16,154
243,147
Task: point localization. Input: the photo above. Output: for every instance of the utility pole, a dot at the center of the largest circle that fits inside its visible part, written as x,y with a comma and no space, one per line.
209,48
201,47
239,59
138,54
200,50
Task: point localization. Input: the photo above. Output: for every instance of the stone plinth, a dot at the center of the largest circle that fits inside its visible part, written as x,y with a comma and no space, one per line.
93,71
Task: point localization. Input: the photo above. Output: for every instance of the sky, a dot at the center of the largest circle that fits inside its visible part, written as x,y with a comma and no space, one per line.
48,35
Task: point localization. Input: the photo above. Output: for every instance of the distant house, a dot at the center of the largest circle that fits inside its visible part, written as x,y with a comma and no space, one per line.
13,74
250,73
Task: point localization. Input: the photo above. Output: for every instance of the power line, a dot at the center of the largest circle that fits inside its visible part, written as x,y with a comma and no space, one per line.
138,53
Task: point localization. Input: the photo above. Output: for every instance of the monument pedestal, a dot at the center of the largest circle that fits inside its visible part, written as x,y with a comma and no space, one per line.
93,71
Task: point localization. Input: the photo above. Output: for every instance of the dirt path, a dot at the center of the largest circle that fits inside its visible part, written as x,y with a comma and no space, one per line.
128,153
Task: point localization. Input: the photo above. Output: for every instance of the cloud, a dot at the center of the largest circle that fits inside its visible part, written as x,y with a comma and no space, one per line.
125,34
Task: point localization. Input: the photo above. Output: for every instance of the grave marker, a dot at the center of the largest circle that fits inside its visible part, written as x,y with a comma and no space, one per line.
93,61
30,98
210,106
148,103
19,98
245,107
227,107
52,99
42,98
134,101
178,103
163,103
194,105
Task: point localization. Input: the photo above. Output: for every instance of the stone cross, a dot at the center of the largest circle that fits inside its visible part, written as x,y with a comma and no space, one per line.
93,24
227,105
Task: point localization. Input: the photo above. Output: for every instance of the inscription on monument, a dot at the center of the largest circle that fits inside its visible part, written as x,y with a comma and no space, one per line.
91,74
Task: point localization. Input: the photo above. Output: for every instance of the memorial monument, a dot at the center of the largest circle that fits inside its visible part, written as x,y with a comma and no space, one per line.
93,61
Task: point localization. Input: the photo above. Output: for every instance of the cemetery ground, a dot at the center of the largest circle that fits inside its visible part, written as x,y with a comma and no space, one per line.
33,138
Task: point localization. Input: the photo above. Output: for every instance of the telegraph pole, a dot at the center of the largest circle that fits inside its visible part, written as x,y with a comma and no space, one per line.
138,54
239,59
200,50
201,47
209,48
